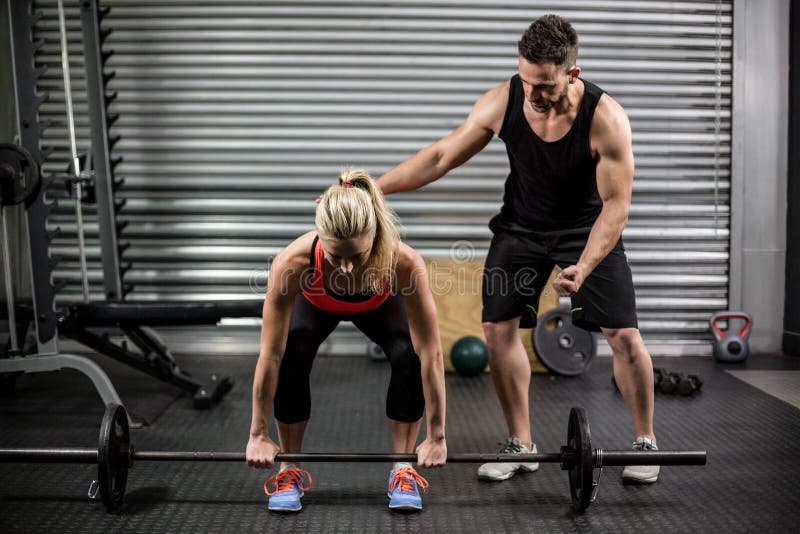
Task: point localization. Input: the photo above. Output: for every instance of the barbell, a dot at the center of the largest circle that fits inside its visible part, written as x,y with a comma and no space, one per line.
115,455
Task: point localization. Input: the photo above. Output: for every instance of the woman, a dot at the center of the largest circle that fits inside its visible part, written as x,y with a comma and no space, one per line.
353,267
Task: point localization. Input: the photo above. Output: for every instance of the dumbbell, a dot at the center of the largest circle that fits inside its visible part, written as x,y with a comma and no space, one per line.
684,385
669,382
690,384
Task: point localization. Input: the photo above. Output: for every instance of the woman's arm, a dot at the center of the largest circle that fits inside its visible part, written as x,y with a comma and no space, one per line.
420,308
283,286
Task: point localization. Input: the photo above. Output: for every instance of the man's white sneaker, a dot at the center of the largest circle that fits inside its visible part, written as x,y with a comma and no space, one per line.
503,471
641,474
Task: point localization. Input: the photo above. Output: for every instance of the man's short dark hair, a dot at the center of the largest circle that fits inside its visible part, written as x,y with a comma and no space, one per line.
550,39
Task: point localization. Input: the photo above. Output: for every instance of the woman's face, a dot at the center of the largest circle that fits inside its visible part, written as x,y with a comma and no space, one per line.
348,255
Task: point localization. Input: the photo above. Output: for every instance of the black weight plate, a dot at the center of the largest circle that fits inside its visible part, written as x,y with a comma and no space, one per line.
581,470
113,456
19,174
561,346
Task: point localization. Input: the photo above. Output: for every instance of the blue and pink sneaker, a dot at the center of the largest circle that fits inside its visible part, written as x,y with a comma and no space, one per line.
404,485
288,488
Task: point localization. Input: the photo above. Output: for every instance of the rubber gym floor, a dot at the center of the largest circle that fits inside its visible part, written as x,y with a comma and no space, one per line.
748,485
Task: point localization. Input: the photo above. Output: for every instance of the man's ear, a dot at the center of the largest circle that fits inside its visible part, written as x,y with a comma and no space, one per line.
574,73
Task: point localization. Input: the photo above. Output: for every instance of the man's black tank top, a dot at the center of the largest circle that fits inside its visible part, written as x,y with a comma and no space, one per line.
552,185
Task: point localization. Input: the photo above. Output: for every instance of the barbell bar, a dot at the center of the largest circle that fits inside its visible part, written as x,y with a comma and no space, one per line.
89,455
115,455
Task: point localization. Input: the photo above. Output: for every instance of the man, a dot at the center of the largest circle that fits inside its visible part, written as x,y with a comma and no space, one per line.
566,202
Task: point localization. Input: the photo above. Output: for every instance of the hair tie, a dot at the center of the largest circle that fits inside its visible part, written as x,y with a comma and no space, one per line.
344,183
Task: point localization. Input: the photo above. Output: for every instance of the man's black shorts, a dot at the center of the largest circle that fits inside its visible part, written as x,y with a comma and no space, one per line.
518,266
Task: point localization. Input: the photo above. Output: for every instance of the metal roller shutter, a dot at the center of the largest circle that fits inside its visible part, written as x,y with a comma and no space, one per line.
235,115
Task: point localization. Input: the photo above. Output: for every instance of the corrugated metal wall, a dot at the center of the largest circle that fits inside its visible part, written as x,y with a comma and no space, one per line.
235,115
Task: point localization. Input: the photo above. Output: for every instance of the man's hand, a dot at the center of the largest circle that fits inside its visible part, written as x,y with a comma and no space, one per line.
432,453
568,281
261,451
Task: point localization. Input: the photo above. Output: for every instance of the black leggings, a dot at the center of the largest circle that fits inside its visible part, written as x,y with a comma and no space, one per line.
386,325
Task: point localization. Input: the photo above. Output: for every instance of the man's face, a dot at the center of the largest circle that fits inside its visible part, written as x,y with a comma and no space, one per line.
545,84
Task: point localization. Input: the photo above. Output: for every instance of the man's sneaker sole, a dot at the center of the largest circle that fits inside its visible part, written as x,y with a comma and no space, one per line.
500,478
635,481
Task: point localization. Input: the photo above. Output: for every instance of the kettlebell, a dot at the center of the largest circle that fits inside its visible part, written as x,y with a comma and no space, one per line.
730,346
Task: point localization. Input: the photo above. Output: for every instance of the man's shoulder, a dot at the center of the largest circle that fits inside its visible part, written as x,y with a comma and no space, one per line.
496,95
609,113
490,109
611,128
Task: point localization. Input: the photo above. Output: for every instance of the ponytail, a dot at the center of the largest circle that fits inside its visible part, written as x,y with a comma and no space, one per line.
356,207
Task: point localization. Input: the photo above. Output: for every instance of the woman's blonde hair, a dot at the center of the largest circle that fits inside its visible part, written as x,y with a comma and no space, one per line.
356,207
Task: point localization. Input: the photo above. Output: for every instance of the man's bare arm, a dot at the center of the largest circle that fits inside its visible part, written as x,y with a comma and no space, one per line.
453,150
614,183
611,137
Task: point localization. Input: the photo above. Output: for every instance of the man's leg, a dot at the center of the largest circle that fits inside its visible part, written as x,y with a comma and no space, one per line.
633,372
511,373
514,274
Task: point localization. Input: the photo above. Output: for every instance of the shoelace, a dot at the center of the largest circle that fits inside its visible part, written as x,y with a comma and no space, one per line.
286,480
404,479
511,446
644,446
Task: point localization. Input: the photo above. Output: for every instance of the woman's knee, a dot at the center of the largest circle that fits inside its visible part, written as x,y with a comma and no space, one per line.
400,351
301,344
292,402
405,400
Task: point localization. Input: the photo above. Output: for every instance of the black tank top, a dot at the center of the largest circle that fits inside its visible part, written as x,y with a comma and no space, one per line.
552,185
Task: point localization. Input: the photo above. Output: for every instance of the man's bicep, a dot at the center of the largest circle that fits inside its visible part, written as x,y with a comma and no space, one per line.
615,157
615,176
463,143
483,122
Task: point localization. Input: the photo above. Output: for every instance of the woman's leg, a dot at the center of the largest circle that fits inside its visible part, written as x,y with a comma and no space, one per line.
404,435
308,328
291,437
387,326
